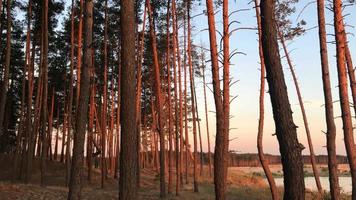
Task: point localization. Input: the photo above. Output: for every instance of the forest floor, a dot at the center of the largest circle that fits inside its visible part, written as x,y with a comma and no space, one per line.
243,185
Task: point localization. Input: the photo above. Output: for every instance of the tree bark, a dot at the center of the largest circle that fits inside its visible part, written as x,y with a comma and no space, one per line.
343,91
159,103
329,110
139,87
289,145
75,184
128,158
191,75
263,160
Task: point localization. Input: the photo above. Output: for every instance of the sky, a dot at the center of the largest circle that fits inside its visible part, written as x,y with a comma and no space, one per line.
304,52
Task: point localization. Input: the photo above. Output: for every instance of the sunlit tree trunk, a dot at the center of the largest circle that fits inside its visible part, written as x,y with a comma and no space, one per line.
159,103
351,72
263,160
139,86
75,184
128,158
79,50
170,119
186,132
329,110
289,146
305,119
343,91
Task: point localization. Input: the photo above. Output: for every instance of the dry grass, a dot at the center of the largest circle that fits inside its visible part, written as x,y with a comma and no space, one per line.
242,184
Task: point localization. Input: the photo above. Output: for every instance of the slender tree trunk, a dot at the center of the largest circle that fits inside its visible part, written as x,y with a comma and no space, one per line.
207,120
139,86
199,131
343,91
50,127
79,50
221,101
5,82
191,75
289,145
75,184
104,105
351,72
91,126
329,110
170,119
24,119
305,119
263,160
117,163
71,91
57,133
128,158
159,103
187,146
29,134
44,65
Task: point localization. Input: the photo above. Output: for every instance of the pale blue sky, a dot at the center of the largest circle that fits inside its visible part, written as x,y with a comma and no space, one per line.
306,58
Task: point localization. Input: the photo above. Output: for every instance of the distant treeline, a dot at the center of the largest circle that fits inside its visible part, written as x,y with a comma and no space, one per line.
252,160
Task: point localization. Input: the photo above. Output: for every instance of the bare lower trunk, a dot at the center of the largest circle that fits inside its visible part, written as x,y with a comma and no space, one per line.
343,91
191,75
289,146
329,110
75,184
128,158
263,160
159,103
305,120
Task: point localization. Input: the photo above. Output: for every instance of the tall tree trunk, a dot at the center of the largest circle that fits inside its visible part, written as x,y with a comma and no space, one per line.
169,88
104,105
263,160
186,132
343,91
221,101
206,118
139,87
118,122
29,134
191,75
305,119
71,91
79,50
286,132
128,158
75,184
27,67
159,103
5,82
44,66
199,131
329,110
